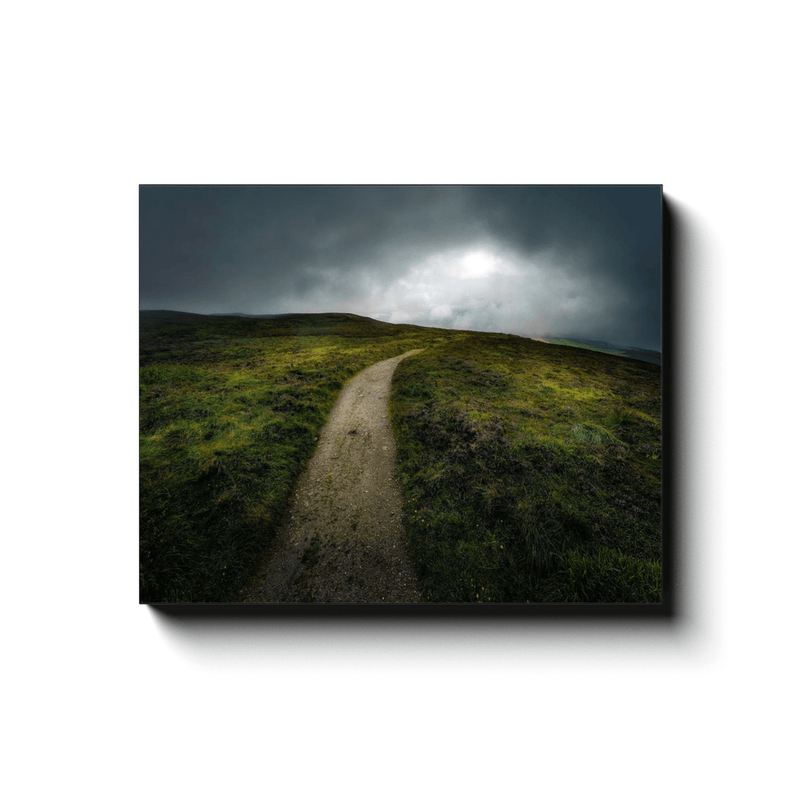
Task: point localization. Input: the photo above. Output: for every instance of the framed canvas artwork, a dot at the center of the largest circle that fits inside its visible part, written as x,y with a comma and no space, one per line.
401,397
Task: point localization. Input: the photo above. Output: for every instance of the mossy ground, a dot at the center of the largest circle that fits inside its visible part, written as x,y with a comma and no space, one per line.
531,471
230,410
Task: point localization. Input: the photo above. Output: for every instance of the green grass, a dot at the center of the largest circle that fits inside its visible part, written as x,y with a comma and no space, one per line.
531,472
230,410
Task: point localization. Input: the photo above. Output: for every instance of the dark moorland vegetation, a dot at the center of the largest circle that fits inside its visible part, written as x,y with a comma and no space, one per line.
530,472
229,412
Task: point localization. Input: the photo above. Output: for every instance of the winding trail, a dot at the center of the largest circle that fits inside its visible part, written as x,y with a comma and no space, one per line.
342,539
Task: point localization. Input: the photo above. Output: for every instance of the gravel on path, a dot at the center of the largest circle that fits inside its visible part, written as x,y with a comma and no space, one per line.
342,540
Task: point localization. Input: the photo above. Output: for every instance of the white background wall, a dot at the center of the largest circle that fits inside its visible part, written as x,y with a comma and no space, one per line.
104,698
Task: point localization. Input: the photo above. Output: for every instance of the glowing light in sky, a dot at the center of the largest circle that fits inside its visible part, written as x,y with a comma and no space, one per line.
478,264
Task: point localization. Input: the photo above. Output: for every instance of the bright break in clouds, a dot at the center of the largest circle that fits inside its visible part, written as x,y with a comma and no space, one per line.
539,261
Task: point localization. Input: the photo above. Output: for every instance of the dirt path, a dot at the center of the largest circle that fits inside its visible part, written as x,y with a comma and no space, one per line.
342,540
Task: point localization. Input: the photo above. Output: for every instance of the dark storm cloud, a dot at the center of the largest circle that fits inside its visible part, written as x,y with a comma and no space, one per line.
607,232
540,261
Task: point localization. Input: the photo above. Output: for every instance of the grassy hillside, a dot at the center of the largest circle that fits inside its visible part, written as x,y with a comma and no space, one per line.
531,472
230,409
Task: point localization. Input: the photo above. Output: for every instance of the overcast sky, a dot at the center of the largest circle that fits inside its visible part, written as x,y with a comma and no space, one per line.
545,261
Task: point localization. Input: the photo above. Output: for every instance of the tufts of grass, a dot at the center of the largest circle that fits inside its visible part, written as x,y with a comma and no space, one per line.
605,576
229,412
593,434
530,473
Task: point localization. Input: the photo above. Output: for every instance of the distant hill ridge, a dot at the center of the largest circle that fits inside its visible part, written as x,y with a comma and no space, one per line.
187,315
166,314
650,356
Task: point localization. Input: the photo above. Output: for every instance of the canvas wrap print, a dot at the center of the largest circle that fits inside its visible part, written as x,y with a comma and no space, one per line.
434,396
